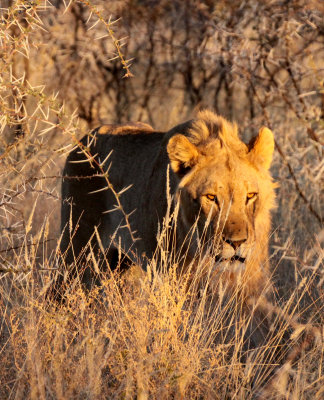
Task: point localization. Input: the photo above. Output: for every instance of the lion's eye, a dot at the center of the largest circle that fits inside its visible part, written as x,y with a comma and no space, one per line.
212,197
251,196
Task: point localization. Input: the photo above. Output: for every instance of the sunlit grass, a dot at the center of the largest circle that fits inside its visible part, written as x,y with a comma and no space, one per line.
153,335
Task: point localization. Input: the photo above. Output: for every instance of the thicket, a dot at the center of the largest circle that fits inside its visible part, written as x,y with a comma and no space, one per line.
68,66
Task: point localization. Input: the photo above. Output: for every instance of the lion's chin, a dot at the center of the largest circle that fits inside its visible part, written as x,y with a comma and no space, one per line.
235,264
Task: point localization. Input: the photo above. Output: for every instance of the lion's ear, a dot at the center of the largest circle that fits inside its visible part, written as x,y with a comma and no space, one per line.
261,148
182,154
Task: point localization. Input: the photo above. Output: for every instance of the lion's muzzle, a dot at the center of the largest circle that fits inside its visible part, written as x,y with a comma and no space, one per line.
233,257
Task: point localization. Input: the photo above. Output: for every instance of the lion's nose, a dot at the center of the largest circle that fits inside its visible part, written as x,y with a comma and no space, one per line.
234,243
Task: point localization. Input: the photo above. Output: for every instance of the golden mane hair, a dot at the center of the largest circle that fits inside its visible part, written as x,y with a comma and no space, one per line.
209,126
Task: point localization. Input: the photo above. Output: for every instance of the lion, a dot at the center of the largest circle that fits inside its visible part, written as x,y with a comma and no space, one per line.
117,185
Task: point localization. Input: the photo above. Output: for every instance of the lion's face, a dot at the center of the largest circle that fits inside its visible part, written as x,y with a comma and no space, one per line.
228,196
231,192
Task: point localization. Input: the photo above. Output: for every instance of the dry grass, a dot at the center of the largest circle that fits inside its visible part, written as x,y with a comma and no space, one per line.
150,336
146,335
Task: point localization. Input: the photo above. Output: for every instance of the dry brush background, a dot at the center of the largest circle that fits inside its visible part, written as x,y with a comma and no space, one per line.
67,67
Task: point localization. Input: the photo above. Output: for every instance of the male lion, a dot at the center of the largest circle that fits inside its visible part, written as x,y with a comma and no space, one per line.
223,188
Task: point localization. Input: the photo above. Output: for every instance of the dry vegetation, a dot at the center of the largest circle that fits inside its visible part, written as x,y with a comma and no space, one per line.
66,67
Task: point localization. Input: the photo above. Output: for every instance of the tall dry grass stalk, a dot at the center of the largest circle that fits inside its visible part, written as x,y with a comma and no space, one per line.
150,335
